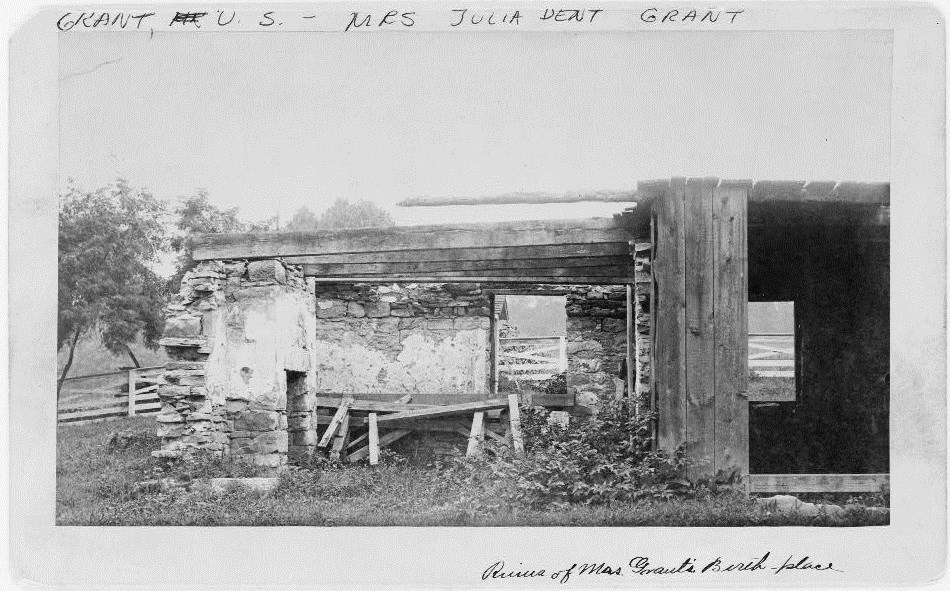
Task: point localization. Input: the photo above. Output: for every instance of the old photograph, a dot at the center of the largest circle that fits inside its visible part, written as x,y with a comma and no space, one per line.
497,296
314,283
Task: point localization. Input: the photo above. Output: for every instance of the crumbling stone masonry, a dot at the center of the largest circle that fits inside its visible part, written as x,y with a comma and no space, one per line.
233,332
253,344
428,338
642,297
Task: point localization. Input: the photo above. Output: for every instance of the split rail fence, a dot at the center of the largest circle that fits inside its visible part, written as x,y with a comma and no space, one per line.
532,358
140,398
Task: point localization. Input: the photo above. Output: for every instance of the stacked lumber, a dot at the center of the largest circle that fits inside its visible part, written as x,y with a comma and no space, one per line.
358,428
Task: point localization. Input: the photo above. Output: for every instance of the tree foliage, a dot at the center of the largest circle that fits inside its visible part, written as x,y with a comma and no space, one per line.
197,215
342,214
109,240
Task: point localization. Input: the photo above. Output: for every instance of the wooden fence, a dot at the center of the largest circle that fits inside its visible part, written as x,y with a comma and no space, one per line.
140,398
532,358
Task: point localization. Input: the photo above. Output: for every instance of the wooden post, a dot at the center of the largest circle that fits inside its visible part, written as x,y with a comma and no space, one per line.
562,355
477,435
668,262
342,440
132,386
699,333
632,402
495,356
335,422
515,420
373,440
731,325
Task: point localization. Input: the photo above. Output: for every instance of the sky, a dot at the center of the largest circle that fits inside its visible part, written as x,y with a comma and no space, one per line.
271,122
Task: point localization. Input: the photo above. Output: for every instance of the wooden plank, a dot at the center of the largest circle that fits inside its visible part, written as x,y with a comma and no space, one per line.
385,440
732,354
109,405
508,279
335,422
405,399
477,434
669,316
772,395
502,234
131,395
700,335
483,267
373,440
614,274
340,442
366,405
444,410
515,424
453,255
632,403
526,197
516,367
817,483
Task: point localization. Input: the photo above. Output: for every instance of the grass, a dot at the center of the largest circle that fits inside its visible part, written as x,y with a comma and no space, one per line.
96,485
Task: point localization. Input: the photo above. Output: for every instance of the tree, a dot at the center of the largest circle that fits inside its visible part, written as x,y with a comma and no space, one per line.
342,214
197,215
108,241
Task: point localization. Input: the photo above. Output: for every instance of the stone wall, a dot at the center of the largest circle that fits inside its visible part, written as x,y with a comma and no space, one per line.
597,343
416,338
642,299
233,332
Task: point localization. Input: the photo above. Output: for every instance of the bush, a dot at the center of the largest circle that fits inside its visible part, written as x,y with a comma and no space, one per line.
604,459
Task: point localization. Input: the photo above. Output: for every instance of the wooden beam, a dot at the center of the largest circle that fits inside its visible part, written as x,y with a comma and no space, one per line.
818,483
504,234
561,274
731,341
445,410
335,422
477,434
366,405
631,354
373,440
525,197
451,255
514,413
508,279
483,267
342,439
669,320
700,330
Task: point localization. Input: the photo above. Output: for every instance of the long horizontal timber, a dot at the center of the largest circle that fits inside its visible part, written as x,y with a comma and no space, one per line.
803,483
506,234
560,274
368,405
483,266
445,410
525,197
513,278
453,255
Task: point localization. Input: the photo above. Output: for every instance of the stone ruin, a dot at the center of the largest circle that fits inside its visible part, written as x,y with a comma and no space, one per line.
253,344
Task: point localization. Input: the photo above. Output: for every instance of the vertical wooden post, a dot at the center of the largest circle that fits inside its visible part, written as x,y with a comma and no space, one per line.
495,344
515,421
668,262
562,355
731,325
700,330
477,435
132,385
632,402
373,440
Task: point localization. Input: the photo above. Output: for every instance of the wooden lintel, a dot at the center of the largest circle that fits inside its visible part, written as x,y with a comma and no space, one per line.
561,274
530,266
452,255
504,234
514,278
